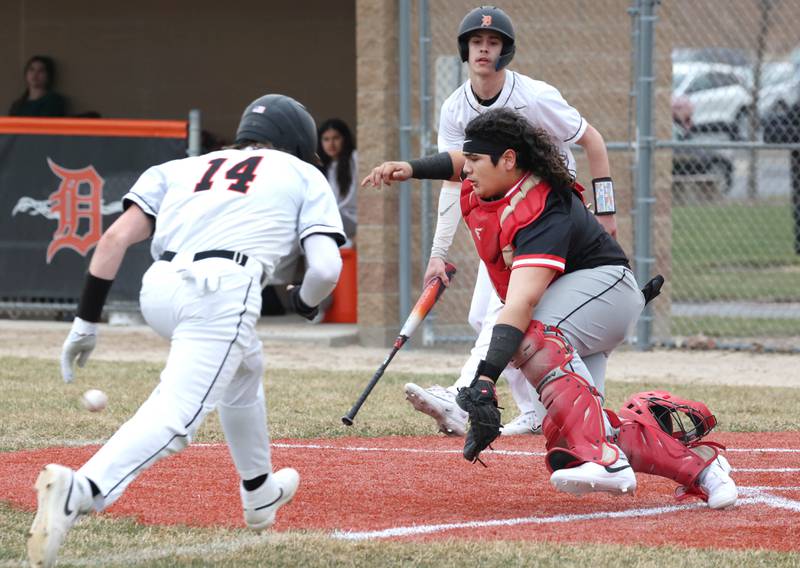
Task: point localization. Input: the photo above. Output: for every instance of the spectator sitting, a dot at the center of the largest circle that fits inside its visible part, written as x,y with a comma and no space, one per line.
337,151
39,99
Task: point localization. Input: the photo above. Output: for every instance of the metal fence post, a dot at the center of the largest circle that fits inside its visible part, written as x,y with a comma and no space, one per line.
404,220
195,143
643,188
428,335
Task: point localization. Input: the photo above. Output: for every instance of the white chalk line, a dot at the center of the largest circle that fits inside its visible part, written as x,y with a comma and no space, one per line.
745,489
766,450
446,451
308,446
233,544
766,469
401,450
757,497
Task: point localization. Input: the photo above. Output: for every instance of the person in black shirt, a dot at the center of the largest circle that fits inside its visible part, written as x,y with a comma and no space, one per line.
39,98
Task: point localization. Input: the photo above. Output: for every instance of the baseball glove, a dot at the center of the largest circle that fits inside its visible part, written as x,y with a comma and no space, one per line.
479,400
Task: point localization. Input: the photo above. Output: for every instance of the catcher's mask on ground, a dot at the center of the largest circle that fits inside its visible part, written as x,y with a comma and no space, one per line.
685,420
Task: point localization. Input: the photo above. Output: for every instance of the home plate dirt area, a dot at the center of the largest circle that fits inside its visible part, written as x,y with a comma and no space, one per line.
420,488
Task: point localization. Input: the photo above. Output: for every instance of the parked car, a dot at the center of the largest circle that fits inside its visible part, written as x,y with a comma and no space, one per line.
720,95
780,89
696,165
727,55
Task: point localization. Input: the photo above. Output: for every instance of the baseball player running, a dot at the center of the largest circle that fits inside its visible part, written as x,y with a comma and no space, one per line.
486,43
568,293
220,224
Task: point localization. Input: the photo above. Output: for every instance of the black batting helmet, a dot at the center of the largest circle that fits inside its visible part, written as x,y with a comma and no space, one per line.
487,18
281,121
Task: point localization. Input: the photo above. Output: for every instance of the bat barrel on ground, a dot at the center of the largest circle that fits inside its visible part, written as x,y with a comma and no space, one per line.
430,294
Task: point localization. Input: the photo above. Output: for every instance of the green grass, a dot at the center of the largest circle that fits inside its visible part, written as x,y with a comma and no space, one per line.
734,251
302,404
103,541
734,327
38,410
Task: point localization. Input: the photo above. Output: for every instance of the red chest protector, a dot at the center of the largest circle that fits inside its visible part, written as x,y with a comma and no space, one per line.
493,224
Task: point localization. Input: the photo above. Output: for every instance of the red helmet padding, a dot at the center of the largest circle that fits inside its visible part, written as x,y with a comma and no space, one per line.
684,419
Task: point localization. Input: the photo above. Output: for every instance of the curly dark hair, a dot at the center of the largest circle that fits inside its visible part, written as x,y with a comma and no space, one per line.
534,146
343,174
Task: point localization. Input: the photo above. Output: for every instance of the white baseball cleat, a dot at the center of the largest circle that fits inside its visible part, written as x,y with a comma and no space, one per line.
718,485
525,423
440,404
617,478
723,463
63,497
260,505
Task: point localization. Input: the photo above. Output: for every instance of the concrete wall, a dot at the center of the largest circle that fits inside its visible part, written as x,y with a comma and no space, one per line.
153,59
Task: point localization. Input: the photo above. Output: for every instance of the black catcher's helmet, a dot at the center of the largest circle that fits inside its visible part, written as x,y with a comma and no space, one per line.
487,18
281,121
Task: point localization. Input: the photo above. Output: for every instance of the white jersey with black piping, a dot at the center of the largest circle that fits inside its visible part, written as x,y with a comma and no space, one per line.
252,201
539,102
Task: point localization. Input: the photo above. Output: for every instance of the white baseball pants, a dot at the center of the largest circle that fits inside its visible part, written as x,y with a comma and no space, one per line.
208,309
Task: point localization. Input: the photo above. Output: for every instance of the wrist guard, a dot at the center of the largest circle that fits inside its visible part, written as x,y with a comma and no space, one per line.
505,341
93,298
299,307
604,203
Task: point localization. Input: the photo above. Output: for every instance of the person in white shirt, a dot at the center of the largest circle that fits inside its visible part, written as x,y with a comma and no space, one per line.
486,43
337,152
220,224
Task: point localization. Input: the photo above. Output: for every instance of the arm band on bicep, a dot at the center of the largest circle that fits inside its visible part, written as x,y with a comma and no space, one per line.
604,203
505,342
93,298
438,166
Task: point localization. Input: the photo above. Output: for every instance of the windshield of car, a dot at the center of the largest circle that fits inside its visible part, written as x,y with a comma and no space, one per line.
775,73
677,80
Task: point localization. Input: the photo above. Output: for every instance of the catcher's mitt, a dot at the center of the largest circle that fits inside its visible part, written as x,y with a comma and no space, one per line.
479,400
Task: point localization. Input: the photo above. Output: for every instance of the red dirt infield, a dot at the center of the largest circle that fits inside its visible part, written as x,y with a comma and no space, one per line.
422,489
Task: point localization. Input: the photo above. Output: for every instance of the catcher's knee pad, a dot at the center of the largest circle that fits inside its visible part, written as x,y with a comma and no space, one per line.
543,349
654,451
576,429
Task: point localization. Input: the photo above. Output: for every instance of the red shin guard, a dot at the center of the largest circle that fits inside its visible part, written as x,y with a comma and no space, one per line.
575,430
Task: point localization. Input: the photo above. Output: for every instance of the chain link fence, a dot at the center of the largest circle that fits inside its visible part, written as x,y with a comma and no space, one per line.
734,100
725,212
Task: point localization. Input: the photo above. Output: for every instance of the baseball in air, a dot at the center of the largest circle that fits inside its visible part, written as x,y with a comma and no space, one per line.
94,400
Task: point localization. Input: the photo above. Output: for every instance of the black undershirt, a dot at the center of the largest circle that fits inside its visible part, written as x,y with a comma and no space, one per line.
486,102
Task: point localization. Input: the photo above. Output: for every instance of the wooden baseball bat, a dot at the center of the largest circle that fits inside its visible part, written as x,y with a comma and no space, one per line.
430,294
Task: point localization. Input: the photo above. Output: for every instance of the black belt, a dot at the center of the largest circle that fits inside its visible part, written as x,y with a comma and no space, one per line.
237,257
